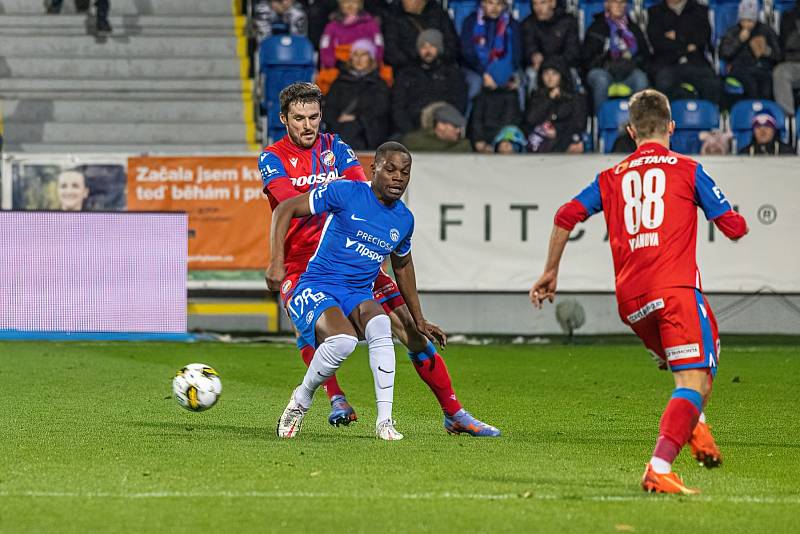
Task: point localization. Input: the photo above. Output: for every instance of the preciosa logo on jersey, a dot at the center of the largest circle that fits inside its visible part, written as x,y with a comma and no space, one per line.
312,179
394,234
328,158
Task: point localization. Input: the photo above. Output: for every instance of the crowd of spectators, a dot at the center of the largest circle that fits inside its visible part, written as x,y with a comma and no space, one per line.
402,70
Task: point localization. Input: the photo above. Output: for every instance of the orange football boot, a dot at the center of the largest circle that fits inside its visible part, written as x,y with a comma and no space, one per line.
704,448
653,482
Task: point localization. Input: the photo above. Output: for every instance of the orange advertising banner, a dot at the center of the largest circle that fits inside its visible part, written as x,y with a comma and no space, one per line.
229,215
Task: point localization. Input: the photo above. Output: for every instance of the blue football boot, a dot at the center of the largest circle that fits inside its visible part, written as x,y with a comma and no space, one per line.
462,422
341,411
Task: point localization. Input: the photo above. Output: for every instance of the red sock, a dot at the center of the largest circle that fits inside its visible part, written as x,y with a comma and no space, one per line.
331,386
675,429
433,372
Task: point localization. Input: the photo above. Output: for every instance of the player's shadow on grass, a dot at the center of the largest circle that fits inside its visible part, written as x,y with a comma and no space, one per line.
187,428
171,428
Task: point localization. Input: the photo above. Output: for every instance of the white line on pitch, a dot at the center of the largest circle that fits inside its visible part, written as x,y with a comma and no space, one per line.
794,499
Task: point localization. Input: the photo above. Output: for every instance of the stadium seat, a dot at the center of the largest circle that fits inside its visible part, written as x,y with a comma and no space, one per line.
586,13
742,114
461,9
521,9
692,117
282,60
612,115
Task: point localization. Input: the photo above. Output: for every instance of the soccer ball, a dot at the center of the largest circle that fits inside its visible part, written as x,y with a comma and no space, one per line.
197,387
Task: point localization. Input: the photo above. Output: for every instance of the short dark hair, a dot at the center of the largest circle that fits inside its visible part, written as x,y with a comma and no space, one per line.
390,146
299,93
649,113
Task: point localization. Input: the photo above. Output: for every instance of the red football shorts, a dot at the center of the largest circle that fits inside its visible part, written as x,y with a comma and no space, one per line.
677,326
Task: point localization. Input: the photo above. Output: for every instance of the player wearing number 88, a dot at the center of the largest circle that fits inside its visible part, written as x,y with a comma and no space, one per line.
650,203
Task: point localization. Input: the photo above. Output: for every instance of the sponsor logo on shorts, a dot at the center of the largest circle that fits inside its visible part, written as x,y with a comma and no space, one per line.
287,285
394,233
309,317
328,158
646,310
681,352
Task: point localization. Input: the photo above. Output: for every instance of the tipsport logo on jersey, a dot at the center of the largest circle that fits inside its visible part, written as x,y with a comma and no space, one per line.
364,251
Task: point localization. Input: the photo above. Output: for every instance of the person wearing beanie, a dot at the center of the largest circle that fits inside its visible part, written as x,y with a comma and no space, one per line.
491,48
510,140
358,105
750,50
555,118
765,138
405,20
348,24
427,80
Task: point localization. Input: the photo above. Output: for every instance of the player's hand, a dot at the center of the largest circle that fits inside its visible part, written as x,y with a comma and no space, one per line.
433,332
544,288
274,276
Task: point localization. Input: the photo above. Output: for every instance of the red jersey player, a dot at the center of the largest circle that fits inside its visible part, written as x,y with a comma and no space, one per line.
650,203
303,160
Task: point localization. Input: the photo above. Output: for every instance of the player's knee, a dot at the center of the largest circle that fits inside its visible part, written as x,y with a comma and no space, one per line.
336,349
378,330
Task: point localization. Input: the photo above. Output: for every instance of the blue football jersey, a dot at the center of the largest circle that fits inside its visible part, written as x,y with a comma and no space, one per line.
358,234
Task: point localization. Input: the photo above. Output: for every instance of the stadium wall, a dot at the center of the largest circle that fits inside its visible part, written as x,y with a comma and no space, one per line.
482,225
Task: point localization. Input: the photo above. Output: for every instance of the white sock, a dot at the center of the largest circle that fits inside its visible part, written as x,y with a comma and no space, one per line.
327,359
702,417
382,361
662,467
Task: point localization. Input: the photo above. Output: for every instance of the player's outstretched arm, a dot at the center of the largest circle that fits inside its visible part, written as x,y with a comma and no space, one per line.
281,219
406,277
545,286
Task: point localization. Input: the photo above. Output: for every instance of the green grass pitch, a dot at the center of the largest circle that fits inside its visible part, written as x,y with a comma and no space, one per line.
92,441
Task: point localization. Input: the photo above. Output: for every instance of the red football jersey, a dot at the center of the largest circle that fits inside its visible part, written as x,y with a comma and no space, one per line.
288,170
650,203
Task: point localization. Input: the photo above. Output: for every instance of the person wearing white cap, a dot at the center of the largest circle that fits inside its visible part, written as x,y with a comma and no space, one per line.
765,138
751,50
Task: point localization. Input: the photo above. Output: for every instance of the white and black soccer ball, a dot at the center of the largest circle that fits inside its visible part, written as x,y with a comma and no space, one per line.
197,387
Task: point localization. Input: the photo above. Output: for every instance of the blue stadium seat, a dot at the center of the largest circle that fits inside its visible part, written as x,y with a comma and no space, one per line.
282,59
461,9
613,114
521,9
742,114
692,117
586,13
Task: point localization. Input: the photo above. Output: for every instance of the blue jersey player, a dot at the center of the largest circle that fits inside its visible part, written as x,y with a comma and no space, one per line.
333,303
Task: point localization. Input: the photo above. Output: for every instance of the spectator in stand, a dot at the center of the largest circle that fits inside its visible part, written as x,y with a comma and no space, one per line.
751,50
681,37
492,110
279,17
321,11
786,76
549,32
428,80
403,24
765,138
490,44
348,24
442,130
615,53
81,6
510,140
556,115
358,104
